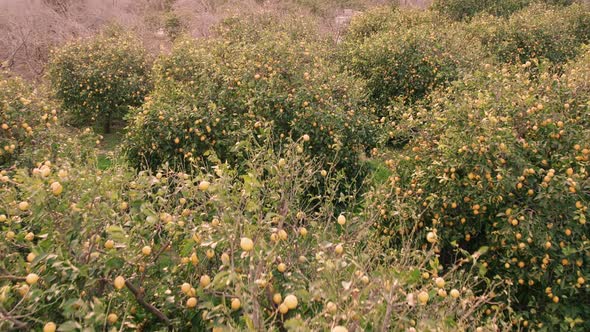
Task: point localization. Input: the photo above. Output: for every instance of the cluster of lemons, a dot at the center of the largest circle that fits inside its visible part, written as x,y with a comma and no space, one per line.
24,117
502,165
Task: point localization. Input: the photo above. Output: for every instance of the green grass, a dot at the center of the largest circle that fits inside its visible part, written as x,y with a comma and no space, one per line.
108,148
379,172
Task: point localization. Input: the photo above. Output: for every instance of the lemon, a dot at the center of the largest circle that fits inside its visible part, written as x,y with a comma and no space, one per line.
339,328
341,220
246,244
291,301
277,298
431,237
205,281
303,231
235,304
423,297
32,278
185,288
191,302
31,257
283,234
283,308
331,307
56,188
23,206
119,282
112,318
439,282
50,327
204,185
109,244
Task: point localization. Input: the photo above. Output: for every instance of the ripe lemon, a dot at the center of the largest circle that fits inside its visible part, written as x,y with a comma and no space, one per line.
31,257
246,244
431,237
23,290
32,278
112,318
440,282
225,258
339,249
23,206
331,307
56,188
147,250
204,185
185,288
283,234
282,267
277,298
210,253
10,235
205,281
50,327
291,301
119,282
423,297
235,304
303,231
339,328
109,244
341,220
455,293
283,308
194,258
191,302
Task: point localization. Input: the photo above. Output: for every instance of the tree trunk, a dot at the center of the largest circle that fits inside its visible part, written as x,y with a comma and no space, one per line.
107,123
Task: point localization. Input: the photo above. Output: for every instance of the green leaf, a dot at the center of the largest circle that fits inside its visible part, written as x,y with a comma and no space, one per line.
69,326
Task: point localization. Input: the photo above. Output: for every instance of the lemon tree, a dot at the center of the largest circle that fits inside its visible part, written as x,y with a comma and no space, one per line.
97,79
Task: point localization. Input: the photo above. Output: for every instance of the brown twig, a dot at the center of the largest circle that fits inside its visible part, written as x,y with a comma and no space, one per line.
389,310
14,278
17,323
139,298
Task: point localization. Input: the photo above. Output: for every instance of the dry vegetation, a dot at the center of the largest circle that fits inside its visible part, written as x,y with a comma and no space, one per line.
30,28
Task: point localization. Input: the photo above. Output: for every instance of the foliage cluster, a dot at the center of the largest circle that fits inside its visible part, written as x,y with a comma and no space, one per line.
25,119
538,31
86,248
465,9
213,94
99,78
501,162
403,55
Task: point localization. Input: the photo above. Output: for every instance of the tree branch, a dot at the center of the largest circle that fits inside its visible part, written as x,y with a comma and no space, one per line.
139,297
17,323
